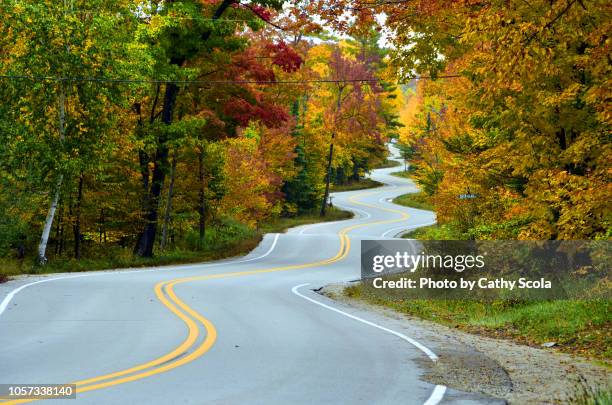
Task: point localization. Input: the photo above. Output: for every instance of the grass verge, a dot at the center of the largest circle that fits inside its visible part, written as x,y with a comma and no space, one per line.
579,327
283,223
435,232
356,185
586,395
230,239
406,174
414,200
388,163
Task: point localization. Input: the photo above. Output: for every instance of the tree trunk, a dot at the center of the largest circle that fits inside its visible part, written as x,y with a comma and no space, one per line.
201,200
58,229
160,163
77,221
328,177
146,241
62,240
164,239
44,238
331,154
100,225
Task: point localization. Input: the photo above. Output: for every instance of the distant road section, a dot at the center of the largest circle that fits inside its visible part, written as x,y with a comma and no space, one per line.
244,331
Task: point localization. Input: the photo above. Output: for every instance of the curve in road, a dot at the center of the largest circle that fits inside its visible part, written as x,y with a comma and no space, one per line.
289,352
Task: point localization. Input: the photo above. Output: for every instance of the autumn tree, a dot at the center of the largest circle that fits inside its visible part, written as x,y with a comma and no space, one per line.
194,118
61,123
347,106
182,31
525,119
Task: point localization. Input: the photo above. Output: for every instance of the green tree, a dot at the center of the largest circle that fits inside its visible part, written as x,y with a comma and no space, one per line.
181,31
61,124
301,191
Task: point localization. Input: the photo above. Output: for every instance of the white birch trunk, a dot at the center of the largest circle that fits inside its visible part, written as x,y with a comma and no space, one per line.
42,246
44,238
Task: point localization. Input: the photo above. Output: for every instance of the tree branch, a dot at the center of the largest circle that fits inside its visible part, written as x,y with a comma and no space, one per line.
261,18
554,20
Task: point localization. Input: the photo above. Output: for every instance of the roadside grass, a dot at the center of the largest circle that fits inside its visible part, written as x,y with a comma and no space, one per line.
356,185
586,395
576,326
12,267
388,163
414,200
579,327
435,232
598,398
228,239
404,173
281,224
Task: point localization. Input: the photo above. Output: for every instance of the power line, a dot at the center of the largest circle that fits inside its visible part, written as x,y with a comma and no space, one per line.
143,14
195,82
178,82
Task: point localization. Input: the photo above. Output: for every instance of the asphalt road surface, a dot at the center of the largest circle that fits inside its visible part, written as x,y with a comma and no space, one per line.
242,331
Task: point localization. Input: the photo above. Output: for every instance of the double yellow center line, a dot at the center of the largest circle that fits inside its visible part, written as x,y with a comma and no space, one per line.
196,323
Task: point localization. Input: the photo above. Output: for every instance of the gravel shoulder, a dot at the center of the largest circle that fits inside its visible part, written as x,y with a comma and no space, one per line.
498,368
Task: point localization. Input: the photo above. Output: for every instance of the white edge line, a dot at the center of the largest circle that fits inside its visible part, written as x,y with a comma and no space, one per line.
359,211
436,396
407,228
5,302
367,214
380,200
433,357
439,390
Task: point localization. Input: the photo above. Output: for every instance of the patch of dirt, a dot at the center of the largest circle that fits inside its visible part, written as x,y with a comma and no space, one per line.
495,367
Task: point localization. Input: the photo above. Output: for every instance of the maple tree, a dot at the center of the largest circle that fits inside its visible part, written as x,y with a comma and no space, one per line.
180,44
152,125
349,110
146,123
518,113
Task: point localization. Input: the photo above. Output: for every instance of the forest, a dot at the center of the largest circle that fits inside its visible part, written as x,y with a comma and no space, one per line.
139,128
133,128
518,120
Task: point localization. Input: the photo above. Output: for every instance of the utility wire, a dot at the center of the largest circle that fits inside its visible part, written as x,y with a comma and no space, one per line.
195,82
142,14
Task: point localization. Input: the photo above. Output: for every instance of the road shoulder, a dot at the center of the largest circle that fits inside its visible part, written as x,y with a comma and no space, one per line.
494,367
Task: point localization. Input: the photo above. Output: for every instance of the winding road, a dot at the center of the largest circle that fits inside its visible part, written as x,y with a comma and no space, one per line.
241,331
